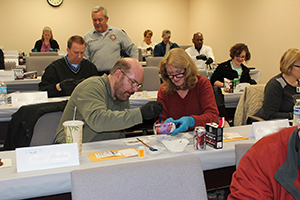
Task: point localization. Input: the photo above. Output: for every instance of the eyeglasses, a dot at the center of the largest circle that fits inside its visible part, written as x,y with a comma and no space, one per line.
179,75
134,83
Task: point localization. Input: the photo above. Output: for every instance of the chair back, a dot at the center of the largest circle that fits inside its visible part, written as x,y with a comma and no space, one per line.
185,46
249,104
176,178
39,63
240,150
151,80
45,129
153,61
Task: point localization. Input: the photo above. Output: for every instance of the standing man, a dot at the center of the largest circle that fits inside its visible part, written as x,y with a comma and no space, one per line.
104,42
63,75
103,103
166,45
201,54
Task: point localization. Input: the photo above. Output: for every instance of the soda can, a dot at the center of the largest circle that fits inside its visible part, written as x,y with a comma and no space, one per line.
236,81
199,138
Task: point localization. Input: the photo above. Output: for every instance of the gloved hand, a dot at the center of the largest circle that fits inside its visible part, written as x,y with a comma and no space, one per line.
149,49
201,57
209,61
151,109
69,84
51,50
185,122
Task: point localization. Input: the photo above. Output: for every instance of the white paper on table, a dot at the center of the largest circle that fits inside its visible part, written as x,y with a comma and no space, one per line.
6,162
232,135
263,128
128,152
134,142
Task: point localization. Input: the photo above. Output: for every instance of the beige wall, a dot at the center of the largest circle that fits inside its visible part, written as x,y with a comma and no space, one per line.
269,27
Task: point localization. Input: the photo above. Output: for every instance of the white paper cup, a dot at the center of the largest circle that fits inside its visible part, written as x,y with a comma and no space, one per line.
73,133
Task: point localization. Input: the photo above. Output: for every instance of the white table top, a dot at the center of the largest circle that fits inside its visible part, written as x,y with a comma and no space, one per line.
55,181
24,81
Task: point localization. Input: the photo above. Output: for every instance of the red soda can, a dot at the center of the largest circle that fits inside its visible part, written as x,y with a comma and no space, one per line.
199,138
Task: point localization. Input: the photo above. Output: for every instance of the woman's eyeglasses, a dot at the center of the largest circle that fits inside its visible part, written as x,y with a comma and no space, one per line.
179,75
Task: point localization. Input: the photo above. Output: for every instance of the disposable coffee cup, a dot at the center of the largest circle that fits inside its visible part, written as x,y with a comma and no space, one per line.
73,133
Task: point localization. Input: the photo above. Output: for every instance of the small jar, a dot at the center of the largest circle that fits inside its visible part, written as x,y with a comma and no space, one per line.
141,152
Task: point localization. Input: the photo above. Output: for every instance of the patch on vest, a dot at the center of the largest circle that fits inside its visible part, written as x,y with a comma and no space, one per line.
112,37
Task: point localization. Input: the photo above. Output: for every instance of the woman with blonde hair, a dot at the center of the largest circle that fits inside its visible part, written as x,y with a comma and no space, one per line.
46,43
187,98
279,91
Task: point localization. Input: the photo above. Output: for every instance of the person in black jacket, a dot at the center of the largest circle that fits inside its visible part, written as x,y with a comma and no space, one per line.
63,75
1,60
231,69
46,43
234,68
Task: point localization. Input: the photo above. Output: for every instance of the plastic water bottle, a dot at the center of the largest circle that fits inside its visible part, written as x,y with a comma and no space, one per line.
3,94
296,120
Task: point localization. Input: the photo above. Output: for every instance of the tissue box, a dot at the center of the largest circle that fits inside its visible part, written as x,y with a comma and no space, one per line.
214,136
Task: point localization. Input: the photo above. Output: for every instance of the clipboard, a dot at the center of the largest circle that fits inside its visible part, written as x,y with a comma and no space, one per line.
113,154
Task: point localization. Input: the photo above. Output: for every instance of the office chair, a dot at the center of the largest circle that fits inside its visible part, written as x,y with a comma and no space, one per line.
151,80
45,129
153,61
240,150
176,178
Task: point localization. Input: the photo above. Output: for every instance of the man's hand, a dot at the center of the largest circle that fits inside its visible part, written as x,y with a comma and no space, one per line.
209,61
69,84
201,57
151,109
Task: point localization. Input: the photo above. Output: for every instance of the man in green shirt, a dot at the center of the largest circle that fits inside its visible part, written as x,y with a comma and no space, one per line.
103,103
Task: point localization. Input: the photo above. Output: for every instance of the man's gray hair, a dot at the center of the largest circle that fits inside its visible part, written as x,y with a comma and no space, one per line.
98,9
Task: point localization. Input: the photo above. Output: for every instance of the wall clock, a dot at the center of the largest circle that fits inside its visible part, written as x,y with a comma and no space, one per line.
55,3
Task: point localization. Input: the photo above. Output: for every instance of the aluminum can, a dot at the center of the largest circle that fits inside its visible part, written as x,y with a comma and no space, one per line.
236,81
199,138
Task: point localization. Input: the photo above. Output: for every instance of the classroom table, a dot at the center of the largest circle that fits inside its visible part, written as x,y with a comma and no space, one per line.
57,181
138,99
23,85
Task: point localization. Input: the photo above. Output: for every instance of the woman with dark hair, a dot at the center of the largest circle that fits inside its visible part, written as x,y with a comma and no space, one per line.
187,98
234,68
46,43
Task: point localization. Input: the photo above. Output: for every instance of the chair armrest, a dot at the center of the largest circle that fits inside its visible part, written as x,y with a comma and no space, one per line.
252,119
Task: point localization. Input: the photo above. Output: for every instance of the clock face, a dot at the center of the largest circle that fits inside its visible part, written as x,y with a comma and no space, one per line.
55,2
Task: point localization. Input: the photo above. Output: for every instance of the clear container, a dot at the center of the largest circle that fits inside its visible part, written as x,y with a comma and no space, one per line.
3,94
296,119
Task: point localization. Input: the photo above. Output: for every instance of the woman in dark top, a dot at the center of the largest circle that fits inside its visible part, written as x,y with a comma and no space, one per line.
279,91
47,42
234,68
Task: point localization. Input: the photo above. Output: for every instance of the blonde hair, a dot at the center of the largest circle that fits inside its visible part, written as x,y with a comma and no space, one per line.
47,28
178,58
288,60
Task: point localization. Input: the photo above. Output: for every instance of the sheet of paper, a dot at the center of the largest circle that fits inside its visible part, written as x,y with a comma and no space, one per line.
129,152
232,135
6,162
134,142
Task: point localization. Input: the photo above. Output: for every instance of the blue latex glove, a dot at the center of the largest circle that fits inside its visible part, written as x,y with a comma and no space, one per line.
34,50
185,122
51,50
